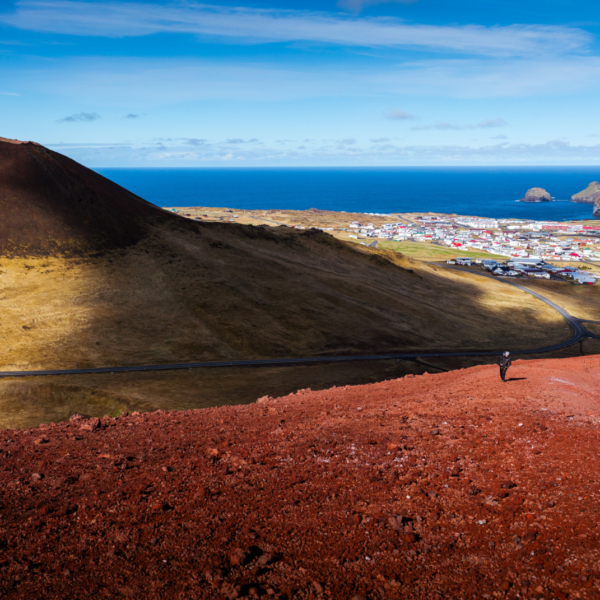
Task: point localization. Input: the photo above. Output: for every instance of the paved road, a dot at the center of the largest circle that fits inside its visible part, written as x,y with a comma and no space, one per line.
579,333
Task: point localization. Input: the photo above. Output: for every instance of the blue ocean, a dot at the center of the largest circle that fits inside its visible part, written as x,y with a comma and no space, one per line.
483,191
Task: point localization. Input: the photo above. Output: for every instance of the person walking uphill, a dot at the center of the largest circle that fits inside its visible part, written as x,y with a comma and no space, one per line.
504,363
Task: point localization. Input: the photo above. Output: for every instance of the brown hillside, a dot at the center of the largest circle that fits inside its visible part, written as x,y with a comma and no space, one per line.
49,204
167,289
453,486
227,291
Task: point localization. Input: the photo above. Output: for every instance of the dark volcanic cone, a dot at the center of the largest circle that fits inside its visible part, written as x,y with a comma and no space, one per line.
50,204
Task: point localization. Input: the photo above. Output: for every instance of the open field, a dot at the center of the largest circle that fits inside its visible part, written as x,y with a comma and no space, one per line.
119,282
429,251
581,301
274,217
27,402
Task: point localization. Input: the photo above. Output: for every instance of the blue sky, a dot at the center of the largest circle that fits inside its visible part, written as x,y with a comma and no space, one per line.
340,82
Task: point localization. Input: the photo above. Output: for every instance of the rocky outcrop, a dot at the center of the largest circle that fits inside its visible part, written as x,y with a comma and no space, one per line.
590,195
537,195
596,212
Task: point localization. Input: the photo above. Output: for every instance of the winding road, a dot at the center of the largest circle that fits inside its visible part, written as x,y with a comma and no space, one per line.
579,333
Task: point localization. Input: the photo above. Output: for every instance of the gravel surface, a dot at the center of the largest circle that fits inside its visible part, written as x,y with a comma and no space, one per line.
435,486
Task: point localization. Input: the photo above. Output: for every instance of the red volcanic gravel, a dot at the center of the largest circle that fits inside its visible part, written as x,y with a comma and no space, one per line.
437,486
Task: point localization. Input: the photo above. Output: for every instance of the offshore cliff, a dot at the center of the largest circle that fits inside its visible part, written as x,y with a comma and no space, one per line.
537,195
589,195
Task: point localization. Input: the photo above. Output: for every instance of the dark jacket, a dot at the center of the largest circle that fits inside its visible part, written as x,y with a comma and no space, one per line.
505,362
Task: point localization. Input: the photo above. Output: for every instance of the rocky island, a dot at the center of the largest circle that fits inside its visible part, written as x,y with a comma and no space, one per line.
590,195
537,195
596,212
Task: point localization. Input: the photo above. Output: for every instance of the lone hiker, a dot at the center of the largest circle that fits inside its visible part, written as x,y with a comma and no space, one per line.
504,363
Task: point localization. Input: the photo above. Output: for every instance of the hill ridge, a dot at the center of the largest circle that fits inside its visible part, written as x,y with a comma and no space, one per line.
52,205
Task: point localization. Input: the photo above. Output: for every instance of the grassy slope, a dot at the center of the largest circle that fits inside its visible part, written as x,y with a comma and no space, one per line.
427,251
234,291
582,301
27,402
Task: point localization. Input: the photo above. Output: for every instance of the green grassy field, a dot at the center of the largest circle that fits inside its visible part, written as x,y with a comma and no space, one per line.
427,251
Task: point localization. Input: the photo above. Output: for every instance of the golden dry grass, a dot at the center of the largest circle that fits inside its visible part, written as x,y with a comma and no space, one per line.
582,301
587,347
229,292
593,327
27,402
234,292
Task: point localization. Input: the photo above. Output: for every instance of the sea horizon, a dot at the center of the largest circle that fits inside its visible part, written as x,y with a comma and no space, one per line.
483,191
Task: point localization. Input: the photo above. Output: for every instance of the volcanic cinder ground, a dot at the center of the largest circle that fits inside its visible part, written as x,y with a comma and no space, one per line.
436,486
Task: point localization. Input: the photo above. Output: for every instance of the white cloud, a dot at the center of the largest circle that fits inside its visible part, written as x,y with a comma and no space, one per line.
250,25
485,78
180,153
241,141
147,83
489,123
445,126
395,114
82,117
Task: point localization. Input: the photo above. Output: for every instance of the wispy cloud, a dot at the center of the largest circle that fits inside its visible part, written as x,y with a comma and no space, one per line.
195,141
445,126
489,123
177,153
484,78
132,116
395,114
155,82
380,140
84,117
357,6
500,137
241,141
9,94
250,25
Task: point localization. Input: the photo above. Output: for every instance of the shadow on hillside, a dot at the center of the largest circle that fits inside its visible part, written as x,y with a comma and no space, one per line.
241,292
224,292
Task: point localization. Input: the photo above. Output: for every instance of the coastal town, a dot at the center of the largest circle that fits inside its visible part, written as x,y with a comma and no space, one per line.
504,237
543,245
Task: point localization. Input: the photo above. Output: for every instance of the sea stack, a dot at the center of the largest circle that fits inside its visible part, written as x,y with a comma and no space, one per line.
596,212
537,195
590,195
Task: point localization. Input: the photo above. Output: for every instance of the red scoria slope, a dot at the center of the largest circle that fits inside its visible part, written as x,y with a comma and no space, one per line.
439,486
